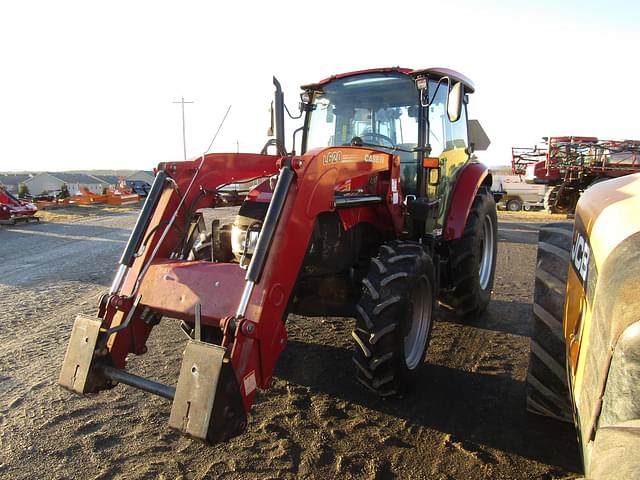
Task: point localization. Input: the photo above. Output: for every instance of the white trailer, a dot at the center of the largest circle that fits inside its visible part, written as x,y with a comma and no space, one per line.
518,195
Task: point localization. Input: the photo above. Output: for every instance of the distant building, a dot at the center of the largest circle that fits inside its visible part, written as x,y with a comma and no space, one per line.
52,182
143,176
12,181
111,180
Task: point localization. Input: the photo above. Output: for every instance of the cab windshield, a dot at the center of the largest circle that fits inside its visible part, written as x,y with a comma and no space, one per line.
379,110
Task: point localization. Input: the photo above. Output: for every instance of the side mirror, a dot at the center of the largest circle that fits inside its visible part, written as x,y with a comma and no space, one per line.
454,102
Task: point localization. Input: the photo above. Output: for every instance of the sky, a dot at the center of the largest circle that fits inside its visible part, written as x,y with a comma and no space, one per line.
92,85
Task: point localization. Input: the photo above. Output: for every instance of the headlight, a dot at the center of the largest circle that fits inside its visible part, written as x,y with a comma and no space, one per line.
239,239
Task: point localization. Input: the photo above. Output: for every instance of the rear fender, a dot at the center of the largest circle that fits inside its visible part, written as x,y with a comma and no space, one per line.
471,178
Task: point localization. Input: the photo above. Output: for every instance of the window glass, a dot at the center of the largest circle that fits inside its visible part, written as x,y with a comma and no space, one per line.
380,108
448,142
437,119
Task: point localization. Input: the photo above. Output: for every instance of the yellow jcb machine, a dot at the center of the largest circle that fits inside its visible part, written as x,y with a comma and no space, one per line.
585,341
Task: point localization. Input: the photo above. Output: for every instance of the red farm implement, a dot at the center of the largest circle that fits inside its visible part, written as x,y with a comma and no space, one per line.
570,165
13,210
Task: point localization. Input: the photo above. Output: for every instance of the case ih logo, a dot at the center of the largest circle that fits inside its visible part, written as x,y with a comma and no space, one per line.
372,158
580,254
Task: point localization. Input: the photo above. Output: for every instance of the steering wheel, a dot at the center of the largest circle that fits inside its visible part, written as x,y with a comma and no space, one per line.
378,138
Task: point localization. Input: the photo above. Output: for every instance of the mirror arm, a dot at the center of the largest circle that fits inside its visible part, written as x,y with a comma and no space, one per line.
293,152
291,116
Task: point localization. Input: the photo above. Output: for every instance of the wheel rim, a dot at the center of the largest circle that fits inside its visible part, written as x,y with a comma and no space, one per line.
486,252
415,340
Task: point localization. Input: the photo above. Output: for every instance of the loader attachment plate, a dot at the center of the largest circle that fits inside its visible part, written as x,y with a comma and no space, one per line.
207,404
76,374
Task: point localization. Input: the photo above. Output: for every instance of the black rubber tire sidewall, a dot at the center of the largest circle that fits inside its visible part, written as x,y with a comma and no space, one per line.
380,364
468,298
547,385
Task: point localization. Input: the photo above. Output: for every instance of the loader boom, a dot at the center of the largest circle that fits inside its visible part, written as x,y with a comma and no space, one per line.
249,306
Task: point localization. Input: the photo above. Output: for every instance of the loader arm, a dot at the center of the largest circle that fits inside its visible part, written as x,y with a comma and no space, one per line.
249,306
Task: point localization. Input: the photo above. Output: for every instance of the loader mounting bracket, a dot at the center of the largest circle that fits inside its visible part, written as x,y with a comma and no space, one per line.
207,404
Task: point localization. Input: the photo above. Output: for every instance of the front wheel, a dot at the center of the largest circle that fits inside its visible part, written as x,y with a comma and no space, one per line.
394,318
472,259
547,384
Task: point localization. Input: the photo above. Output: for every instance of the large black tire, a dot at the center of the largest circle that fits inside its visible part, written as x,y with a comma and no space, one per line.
394,318
560,199
550,200
473,259
547,389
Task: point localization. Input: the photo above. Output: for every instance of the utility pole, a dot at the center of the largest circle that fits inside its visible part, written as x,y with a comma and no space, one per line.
184,137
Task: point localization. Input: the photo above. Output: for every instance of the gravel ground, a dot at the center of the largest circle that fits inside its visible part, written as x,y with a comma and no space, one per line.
465,420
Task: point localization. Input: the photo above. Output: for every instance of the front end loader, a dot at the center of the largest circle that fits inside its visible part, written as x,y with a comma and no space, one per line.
381,217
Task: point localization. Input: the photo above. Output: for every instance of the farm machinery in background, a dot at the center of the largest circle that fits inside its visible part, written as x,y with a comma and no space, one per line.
121,194
380,217
570,165
512,193
13,210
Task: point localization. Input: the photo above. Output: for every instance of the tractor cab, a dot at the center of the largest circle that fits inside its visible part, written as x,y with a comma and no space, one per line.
418,115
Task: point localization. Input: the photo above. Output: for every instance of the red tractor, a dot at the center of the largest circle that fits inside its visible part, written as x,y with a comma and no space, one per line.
570,165
380,217
13,210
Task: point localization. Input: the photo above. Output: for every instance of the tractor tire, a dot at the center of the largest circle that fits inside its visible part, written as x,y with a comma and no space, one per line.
547,388
550,199
394,318
514,205
473,260
566,204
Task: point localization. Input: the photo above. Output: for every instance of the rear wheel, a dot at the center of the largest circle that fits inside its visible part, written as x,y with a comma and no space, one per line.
514,205
473,259
547,388
394,318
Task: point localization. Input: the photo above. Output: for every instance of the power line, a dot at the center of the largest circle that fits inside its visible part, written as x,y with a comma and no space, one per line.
184,136
218,131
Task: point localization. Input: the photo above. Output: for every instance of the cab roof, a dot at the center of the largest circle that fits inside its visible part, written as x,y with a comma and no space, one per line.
434,72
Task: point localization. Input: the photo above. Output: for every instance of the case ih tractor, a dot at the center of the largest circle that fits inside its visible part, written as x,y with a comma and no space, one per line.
380,217
584,364
570,165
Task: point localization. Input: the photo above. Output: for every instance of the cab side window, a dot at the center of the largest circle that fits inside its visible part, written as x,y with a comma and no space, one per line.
456,132
437,120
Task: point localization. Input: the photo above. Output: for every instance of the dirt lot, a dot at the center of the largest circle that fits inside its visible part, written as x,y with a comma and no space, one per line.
465,420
